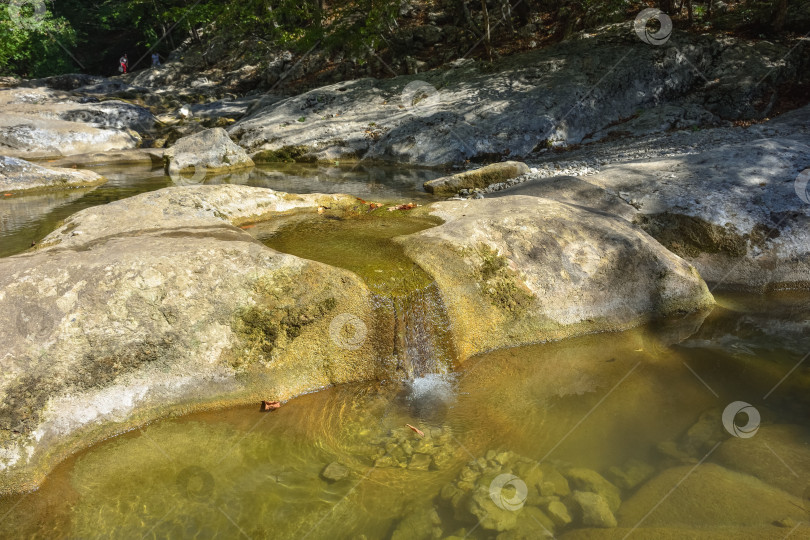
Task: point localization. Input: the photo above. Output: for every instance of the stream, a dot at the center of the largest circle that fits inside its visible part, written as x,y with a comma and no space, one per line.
597,402
484,449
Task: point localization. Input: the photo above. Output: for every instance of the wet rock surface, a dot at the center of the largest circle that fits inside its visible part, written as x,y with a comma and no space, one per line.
17,175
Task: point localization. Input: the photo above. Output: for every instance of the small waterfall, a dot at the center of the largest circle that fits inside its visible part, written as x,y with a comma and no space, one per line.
423,343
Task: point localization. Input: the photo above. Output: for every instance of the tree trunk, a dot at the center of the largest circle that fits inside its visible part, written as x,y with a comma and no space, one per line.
487,42
689,11
779,16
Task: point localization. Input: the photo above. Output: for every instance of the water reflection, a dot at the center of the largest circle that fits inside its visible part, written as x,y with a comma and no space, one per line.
29,218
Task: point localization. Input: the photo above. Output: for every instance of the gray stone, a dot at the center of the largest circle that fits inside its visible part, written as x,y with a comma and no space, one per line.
17,175
210,151
591,481
478,178
334,472
146,306
595,510
522,269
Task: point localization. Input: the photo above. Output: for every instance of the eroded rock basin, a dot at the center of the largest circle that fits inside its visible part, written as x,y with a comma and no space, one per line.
640,408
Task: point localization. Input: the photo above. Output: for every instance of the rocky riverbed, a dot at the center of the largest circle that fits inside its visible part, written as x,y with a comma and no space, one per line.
161,304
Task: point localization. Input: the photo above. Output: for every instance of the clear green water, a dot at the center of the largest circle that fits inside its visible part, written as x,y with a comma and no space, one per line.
593,402
403,291
361,244
29,218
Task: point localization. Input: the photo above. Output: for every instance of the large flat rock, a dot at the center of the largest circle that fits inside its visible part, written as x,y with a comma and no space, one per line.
732,211
40,122
522,269
158,304
558,95
18,175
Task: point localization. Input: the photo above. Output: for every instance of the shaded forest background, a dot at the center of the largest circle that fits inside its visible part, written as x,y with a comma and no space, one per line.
48,37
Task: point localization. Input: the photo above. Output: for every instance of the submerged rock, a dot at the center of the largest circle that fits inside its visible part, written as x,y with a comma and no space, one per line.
727,499
211,150
778,455
521,269
17,175
334,472
591,481
593,509
477,178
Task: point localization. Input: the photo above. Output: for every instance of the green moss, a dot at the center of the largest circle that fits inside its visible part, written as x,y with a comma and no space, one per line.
285,154
267,323
499,283
689,236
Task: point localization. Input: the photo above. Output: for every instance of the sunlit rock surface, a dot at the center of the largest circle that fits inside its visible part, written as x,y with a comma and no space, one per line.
17,175
522,269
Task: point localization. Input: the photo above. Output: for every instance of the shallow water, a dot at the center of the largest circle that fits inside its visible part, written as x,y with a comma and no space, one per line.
29,218
364,245
593,402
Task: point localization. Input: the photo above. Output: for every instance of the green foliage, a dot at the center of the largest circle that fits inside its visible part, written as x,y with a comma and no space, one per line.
34,43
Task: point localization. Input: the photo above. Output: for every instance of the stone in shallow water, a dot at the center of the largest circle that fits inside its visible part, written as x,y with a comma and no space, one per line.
631,474
594,509
334,472
592,481
420,462
558,513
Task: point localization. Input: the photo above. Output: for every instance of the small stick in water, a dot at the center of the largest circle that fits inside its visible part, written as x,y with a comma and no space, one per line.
416,430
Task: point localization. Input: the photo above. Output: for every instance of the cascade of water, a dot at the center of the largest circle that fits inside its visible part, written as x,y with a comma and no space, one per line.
423,342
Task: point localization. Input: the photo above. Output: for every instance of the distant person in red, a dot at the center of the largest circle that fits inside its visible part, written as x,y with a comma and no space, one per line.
124,61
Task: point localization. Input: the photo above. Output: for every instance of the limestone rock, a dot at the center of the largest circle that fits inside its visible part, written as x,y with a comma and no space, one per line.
160,305
477,178
594,510
521,269
39,122
210,150
708,496
591,481
335,472
17,175
778,455
732,211
523,103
